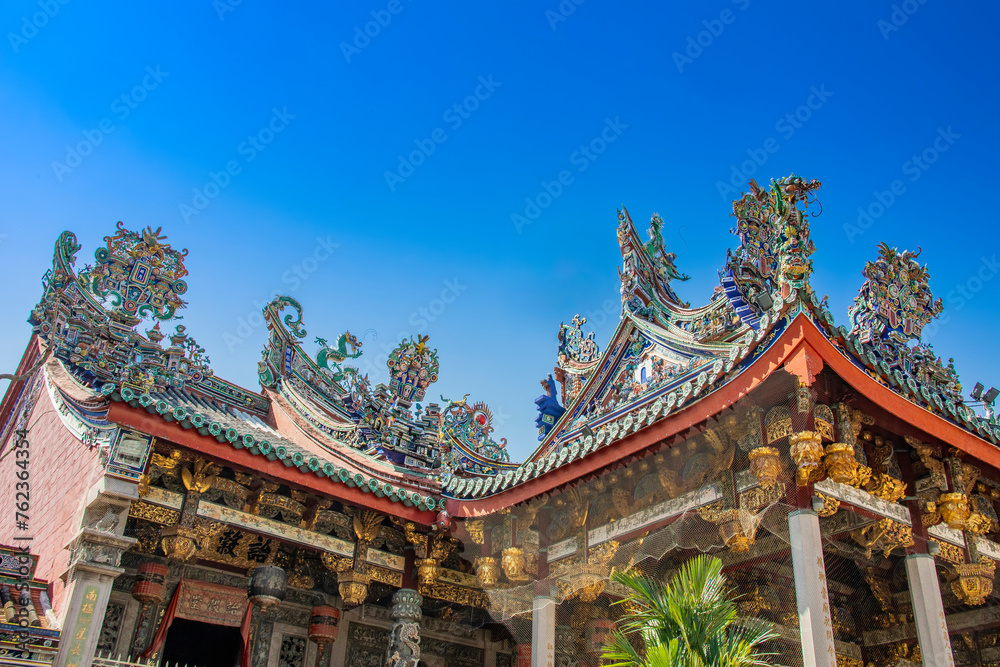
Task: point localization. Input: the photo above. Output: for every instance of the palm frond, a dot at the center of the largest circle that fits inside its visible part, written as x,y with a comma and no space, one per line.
691,621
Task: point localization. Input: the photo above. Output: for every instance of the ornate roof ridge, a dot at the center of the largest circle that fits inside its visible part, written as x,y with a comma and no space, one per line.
90,319
660,349
763,278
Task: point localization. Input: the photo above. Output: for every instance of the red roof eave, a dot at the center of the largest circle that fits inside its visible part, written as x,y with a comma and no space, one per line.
917,416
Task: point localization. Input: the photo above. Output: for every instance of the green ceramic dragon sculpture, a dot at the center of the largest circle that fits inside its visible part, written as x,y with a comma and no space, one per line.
330,357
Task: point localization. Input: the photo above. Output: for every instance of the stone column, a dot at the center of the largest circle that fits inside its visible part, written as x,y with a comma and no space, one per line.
928,611
815,626
94,564
543,631
404,638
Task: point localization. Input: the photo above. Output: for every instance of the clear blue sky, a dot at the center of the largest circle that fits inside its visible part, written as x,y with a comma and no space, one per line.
331,114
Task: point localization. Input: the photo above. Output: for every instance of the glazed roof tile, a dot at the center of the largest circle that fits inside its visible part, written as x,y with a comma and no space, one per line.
246,431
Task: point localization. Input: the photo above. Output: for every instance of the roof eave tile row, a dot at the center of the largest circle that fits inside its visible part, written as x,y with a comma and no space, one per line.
224,430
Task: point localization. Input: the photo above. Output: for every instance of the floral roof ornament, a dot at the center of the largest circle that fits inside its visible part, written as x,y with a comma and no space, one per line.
472,427
412,368
89,319
138,274
771,261
895,301
574,346
577,356
889,314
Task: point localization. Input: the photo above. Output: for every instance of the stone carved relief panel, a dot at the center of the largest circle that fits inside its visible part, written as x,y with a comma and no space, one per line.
112,627
292,652
454,655
366,646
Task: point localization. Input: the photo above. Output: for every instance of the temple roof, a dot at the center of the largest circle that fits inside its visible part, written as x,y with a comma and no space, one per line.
319,414
667,359
315,413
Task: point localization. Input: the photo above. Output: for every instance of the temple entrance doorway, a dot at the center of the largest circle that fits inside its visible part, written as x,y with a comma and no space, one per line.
198,644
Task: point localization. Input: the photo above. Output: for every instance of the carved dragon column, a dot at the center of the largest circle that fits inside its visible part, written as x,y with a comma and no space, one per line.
404,638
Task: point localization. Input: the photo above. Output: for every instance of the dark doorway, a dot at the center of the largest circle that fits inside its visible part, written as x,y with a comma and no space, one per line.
199,644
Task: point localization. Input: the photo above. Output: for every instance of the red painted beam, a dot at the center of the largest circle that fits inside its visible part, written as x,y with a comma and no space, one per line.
122,413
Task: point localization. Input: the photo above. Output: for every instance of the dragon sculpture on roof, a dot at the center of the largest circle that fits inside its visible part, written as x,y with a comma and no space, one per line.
773,256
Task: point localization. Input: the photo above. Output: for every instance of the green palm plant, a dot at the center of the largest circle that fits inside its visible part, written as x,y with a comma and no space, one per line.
691,621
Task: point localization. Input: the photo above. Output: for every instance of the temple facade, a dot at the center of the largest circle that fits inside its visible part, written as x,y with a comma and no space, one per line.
156,514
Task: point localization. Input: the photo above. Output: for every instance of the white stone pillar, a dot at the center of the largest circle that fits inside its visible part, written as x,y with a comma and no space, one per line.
94,564
815,626
543,631
928,610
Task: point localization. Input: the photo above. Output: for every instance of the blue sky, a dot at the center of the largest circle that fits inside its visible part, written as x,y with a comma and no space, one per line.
263,136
